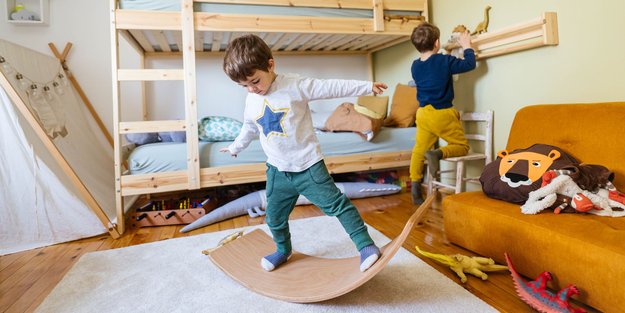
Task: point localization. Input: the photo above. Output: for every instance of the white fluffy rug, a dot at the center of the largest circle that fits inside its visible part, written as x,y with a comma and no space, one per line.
174,276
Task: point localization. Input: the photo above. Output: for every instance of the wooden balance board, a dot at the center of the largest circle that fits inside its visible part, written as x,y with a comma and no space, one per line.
304,278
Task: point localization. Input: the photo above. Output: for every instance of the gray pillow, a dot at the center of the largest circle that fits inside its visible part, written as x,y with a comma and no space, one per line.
142,138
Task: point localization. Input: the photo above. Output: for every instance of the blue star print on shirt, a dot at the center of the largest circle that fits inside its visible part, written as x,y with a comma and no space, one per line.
271,120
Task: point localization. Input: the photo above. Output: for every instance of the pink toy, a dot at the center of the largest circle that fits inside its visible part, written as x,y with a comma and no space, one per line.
535,293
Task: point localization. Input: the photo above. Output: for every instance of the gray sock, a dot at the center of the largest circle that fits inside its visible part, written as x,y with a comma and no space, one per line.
434,160
270,262
368,256
415,190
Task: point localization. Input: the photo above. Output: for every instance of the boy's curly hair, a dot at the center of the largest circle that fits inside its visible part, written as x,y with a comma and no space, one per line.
424,37
245,55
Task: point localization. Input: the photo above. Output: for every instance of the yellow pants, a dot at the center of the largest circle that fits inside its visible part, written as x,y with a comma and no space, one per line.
431,125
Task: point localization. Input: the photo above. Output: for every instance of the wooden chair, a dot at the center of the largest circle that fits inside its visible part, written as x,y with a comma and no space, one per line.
434,179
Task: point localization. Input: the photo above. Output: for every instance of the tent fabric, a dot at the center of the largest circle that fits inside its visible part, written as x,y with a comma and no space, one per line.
39,205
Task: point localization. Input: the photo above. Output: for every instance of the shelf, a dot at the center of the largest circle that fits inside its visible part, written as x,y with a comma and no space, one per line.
39,8
541,31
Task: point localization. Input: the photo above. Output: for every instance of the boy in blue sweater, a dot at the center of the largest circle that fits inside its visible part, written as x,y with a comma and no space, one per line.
436,117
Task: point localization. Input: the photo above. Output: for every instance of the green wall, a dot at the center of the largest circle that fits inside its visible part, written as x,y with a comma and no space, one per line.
587,65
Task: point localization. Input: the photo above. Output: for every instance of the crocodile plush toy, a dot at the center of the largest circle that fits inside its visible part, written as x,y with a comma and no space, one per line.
535,293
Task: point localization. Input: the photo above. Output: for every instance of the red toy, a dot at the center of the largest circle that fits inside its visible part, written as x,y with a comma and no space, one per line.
535,293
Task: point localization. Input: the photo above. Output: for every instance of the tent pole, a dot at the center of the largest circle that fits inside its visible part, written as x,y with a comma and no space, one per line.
56,154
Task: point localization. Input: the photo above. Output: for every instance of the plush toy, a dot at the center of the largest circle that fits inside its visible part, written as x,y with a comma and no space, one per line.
452,45
559,185
535,293
20,13
461,264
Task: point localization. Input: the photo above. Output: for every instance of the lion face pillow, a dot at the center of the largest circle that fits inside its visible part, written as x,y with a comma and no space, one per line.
513,175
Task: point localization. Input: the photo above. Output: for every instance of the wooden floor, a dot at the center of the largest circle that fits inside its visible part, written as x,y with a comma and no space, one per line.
26,278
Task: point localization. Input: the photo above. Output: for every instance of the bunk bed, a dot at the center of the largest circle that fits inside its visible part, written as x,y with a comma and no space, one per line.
191,28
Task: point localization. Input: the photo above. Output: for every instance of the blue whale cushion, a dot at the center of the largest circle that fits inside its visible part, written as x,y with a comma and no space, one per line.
219,128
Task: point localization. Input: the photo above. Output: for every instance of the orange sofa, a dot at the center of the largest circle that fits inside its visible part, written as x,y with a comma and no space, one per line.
586,250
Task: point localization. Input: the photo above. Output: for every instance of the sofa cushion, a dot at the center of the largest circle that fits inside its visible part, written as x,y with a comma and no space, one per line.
514,174
584,250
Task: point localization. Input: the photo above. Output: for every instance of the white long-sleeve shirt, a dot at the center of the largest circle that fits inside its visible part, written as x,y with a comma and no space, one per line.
283,122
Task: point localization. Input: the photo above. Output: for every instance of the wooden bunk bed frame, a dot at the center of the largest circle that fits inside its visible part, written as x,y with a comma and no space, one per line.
286,35
202,33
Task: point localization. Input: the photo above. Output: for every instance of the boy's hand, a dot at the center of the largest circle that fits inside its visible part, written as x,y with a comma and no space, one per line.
227,150
378,88
465,40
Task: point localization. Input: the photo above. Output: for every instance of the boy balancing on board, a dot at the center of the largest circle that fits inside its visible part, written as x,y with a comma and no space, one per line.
436,117
276,109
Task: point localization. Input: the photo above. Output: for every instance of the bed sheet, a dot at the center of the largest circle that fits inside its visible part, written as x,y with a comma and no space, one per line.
170,156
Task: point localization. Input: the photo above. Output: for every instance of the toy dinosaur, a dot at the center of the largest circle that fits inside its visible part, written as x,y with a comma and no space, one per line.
225,240
461,264
482,27
253,203
535,293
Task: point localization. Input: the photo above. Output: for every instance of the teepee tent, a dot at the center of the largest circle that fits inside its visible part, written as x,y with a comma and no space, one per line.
56,166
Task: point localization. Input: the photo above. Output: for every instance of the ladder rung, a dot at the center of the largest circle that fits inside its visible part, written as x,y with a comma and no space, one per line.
152,126
149,74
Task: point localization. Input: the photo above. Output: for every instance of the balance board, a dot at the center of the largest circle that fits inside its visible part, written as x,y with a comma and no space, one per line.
304,278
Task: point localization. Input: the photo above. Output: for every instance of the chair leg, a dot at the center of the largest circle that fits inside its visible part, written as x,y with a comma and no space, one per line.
430,181
459,176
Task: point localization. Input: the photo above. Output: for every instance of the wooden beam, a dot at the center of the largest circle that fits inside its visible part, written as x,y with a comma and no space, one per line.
280,52
378,15
152,126
190,98
84,193
398,5
247,173
137,20
117,149
150,74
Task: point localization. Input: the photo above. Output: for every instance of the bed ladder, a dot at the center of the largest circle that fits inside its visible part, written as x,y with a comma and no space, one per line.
189,124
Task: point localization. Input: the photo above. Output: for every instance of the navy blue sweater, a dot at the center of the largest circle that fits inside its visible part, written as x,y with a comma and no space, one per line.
433,77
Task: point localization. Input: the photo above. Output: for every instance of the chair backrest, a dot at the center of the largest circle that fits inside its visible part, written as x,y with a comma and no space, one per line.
484,133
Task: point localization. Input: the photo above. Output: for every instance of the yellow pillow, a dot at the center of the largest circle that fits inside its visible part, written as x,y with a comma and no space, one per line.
403,107
372,106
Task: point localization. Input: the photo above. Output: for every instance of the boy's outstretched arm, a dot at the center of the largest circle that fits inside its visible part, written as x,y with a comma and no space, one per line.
313,89
458,66
249,131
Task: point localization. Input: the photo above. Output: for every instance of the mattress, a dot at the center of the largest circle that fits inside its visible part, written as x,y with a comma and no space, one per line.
174,5
169,156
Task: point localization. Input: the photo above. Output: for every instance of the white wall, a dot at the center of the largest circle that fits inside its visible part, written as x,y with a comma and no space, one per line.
218,95
86,25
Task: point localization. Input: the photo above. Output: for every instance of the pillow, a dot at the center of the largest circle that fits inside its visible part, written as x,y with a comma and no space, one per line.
219,128
372,106
345,118
513,175
142,138
403,107
319,118
173,136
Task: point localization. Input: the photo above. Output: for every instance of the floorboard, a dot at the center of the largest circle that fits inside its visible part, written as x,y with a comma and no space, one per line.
26,278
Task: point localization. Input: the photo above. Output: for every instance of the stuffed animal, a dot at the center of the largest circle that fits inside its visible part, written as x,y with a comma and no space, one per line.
560,183
452,45
461,264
